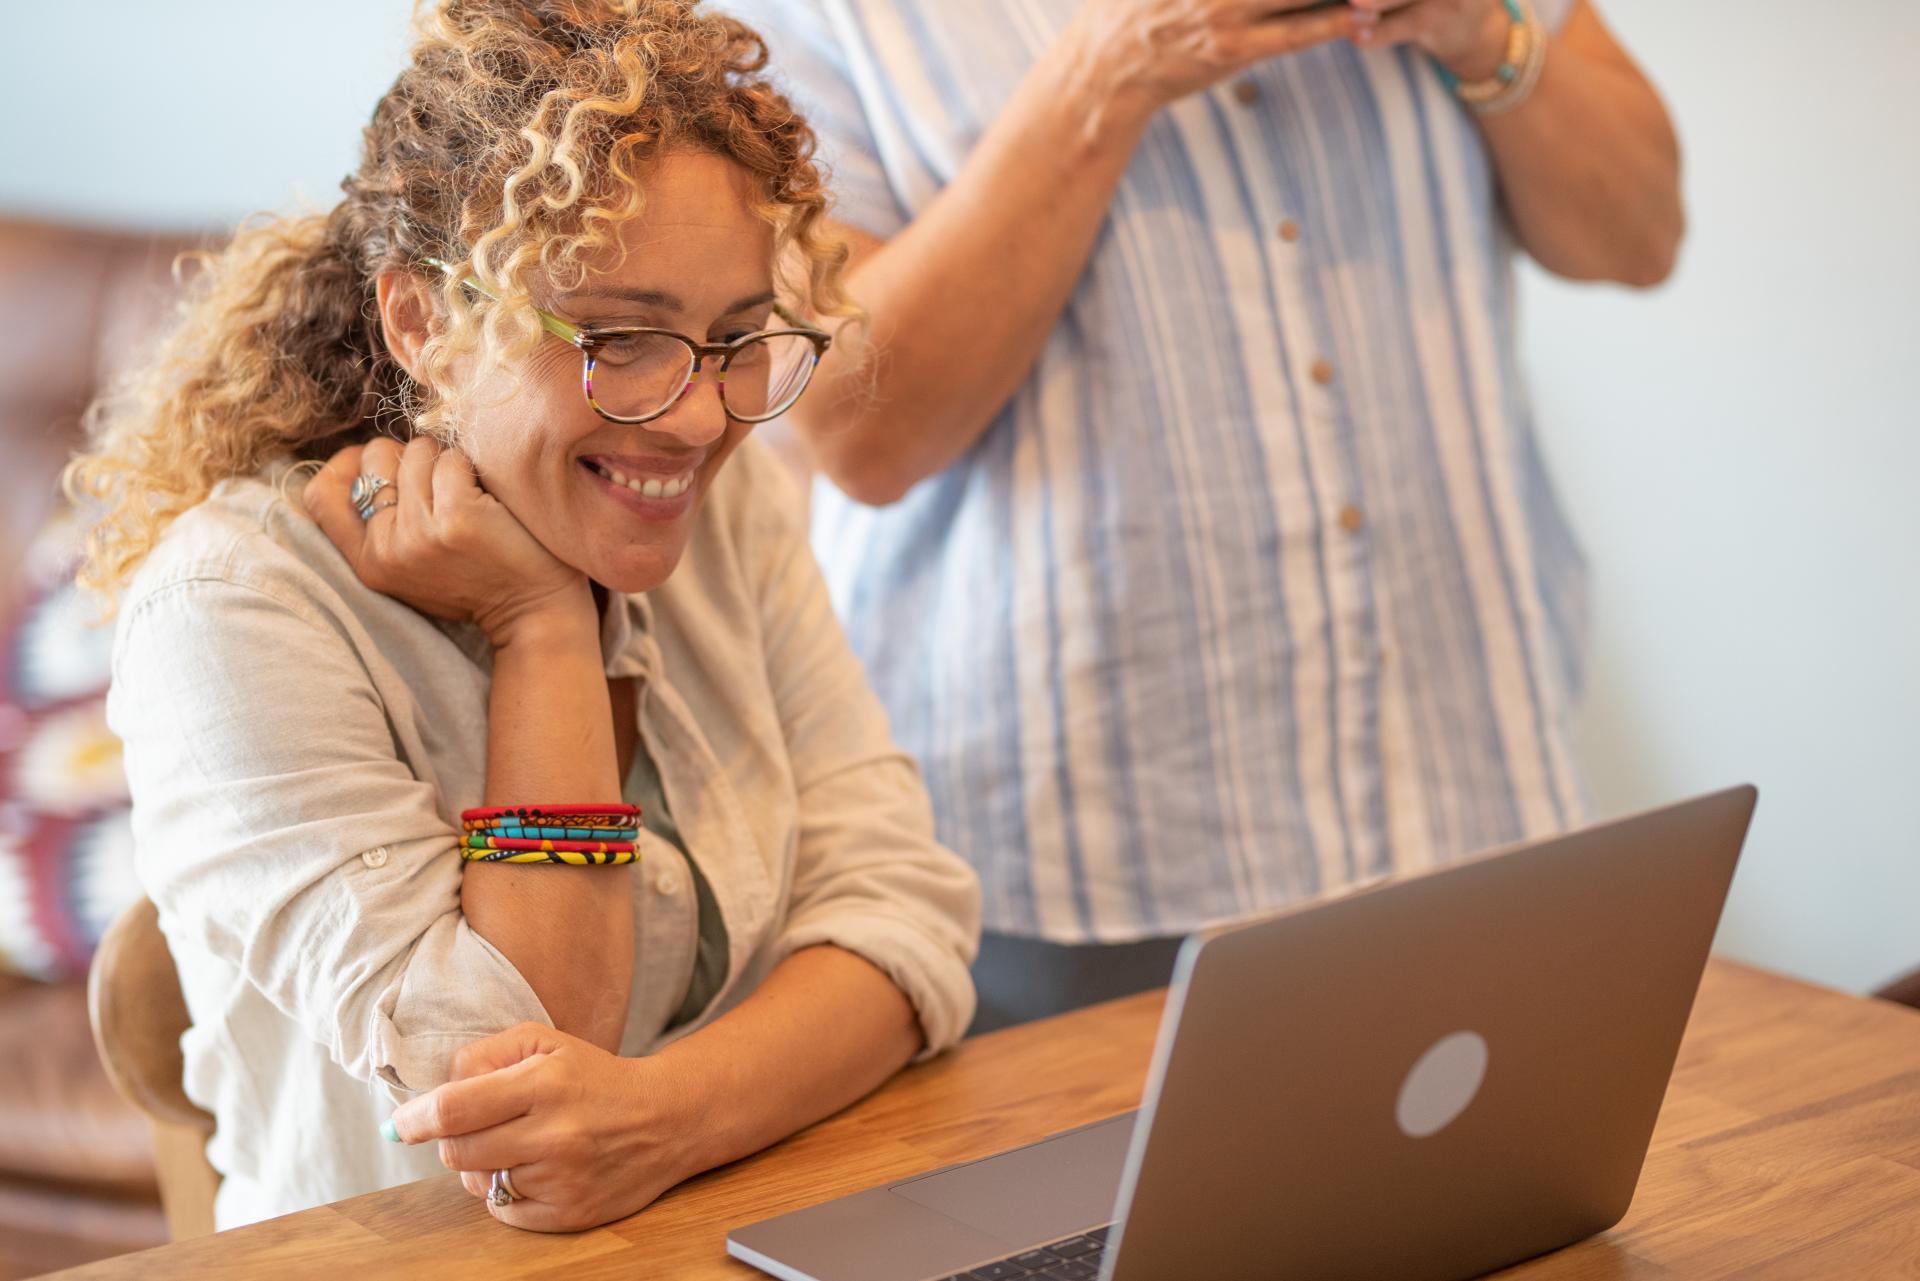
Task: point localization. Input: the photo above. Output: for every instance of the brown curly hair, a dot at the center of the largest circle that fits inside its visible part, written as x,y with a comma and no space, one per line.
513,144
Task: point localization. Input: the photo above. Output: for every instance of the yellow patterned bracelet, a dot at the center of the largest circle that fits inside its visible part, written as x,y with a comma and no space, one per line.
572,858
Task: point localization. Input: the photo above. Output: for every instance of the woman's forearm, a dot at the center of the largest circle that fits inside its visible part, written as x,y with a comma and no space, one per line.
826,1028
961,302
569,931
1589,165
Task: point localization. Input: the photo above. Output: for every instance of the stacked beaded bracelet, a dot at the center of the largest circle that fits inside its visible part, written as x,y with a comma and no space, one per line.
580,835
1513,80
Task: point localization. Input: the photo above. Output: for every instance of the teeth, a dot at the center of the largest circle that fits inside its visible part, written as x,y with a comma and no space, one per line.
651,488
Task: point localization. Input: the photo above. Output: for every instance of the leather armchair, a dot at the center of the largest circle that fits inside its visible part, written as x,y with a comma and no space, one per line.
77,1175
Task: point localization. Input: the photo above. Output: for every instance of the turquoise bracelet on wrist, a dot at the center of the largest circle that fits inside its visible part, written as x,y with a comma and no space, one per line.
1513,80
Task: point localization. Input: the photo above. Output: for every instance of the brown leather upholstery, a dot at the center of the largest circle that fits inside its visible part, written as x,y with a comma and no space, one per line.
77,1177
74,303
60,1119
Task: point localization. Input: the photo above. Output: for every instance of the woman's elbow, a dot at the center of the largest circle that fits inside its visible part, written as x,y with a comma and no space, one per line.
1658,251
865,476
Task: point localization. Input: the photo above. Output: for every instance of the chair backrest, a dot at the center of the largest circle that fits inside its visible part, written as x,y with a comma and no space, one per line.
139,1015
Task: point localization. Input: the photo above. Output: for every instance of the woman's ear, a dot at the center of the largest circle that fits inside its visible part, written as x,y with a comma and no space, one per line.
406,317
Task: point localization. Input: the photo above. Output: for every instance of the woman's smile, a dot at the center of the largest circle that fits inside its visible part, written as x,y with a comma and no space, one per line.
659,489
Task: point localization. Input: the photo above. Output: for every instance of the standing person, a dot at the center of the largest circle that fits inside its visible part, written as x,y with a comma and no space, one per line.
1189,516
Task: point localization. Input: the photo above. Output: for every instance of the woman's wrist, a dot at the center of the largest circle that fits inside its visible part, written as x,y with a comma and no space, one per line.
1480,58
562,621
1106,97
681,1083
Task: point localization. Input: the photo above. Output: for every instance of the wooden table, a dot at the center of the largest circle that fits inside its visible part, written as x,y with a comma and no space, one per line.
1789,1146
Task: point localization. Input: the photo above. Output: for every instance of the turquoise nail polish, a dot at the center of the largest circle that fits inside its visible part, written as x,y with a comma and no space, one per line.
387,1131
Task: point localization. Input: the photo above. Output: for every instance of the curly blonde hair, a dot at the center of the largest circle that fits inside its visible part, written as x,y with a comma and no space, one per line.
512,145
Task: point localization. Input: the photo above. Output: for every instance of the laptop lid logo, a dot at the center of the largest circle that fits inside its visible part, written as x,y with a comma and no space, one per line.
1442,1083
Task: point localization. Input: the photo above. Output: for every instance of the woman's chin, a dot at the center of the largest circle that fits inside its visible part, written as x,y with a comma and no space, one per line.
634,571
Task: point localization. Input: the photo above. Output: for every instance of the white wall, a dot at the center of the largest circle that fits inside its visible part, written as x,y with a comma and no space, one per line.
187,115
1739,449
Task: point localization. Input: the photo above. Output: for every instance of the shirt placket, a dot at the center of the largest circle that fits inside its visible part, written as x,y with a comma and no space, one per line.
1294,248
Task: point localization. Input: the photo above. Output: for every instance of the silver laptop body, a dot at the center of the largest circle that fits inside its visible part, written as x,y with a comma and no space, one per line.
1425,1080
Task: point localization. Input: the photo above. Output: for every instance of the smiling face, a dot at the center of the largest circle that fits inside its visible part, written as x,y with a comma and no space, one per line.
617,501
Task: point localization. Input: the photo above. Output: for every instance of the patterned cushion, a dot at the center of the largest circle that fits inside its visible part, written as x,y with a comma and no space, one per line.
66,846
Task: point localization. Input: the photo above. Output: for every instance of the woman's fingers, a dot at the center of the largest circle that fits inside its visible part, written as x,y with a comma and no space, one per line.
1404,26
453,479
325,497
541,1216
415,476
461,1107
504,1049
1286,33
517,1142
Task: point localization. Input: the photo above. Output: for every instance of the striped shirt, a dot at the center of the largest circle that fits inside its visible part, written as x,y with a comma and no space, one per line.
1258,586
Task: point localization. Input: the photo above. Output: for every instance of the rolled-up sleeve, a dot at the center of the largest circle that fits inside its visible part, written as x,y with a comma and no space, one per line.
277,830
869,875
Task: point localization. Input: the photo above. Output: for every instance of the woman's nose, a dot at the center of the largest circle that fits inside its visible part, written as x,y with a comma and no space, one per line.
698,416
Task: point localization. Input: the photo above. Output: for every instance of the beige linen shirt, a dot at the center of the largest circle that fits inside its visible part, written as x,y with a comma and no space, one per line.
300,748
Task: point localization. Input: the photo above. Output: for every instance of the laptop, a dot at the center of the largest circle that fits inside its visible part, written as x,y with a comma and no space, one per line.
1424,1080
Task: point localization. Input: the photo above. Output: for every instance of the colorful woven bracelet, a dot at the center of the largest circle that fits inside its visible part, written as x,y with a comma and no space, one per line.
521,832
572,858
566,813
578,820
482,841
577,835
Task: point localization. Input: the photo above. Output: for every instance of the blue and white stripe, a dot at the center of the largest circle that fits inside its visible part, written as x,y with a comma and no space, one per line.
1154,676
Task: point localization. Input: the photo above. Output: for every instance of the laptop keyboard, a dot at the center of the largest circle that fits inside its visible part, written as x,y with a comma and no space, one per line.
1073,1259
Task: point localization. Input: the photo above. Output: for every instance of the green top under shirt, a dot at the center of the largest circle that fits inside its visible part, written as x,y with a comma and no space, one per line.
710,951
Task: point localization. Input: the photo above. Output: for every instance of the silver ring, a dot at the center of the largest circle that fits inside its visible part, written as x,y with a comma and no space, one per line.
374,509
501,1192
361,493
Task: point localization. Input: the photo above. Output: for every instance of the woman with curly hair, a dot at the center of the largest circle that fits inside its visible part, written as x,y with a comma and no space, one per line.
430,576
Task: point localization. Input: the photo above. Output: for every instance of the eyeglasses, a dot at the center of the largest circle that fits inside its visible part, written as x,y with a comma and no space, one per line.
636,373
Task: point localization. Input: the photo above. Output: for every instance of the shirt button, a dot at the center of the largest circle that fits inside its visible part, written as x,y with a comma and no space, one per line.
1351,519
1246,92
375,857
665,882
1289,230
1321,371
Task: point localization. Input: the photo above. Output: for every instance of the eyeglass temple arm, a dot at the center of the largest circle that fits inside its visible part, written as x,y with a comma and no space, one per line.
551,323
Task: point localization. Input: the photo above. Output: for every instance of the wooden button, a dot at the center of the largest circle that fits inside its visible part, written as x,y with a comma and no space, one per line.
1321,371
1289,230
1246,92
1351,519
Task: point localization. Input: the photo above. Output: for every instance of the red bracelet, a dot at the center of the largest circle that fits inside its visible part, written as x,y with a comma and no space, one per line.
551,811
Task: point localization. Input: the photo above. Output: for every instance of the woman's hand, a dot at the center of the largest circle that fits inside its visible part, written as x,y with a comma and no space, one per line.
441,543
1467,37
590,1137
1163,50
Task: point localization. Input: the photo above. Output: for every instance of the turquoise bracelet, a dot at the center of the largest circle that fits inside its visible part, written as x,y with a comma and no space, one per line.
1506,71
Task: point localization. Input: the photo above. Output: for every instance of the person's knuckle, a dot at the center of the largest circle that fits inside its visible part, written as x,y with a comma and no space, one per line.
445,1112
453,1154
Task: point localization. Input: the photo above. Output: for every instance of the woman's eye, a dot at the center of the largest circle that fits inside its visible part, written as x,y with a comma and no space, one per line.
735,335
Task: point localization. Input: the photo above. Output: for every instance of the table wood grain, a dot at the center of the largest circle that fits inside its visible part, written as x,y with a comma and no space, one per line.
1789,1146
